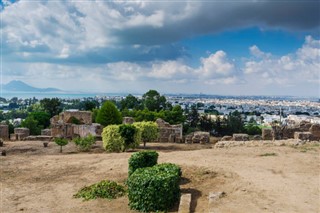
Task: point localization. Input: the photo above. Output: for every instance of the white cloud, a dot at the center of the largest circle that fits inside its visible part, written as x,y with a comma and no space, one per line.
301,66
216,66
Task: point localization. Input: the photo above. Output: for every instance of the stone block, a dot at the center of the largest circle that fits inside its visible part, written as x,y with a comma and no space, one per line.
4,132
46,132
315,131
226,138
240,137
185,203
267,134
21,133
304,136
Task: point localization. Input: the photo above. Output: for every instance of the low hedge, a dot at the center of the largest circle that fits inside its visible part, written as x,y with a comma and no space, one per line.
154,188
142,159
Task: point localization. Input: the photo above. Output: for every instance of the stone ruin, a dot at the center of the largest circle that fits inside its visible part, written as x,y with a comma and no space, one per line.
62,125
20,134
302,131
198,137
240,137
4,132
169,133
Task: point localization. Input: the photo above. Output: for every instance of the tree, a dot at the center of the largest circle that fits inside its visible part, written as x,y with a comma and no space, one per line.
130,102
43,118
149,131
174,116
32,125
90,105
51,106
61,142
153,101
108,114
193,117
206,124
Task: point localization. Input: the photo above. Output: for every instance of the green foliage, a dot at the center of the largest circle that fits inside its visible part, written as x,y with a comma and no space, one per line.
90,105
154,188
113,141
252,129
61,142
111,138
127,132
141,160
268,154
104,189
84,144
206,123
32,125
193,117
130,102
153,101
51,106
43,118
149,131
108,114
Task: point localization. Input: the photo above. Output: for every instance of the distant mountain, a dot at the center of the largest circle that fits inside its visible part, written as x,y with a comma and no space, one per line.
20,86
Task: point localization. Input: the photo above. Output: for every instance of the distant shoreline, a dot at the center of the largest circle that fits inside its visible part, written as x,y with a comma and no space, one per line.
79,95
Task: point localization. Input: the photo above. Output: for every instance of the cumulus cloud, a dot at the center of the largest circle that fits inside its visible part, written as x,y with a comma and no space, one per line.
106,31
300,66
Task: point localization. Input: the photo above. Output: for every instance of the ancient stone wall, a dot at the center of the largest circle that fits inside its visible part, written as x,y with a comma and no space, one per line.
84,130
240,137
4,132
21,133
305,136
169,133
85,117
315,131
267,134
46,132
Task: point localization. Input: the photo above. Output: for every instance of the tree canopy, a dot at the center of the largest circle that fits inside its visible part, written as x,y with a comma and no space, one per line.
108,114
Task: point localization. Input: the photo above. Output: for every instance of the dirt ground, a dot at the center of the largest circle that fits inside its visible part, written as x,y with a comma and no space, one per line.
255,179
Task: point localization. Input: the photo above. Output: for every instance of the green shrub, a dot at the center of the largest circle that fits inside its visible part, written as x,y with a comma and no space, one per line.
111,138
142,159
154,188
84,144
61,142
127,132
104,189
113,141
149,131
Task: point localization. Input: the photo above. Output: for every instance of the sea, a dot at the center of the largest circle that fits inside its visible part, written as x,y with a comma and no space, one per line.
42,95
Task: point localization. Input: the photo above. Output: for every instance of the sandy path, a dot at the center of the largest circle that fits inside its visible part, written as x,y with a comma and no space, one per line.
42,180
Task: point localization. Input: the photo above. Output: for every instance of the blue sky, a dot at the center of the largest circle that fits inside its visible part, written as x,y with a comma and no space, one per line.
213,47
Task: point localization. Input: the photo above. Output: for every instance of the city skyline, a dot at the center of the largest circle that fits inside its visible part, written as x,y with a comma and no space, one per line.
223,48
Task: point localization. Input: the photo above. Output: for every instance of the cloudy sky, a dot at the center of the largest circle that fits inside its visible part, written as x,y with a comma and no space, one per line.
245,47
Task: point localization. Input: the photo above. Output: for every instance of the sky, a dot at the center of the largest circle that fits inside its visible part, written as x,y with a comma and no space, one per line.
236,47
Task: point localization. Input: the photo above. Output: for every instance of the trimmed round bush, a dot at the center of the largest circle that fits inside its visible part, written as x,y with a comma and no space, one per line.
142,159
111,138
154,188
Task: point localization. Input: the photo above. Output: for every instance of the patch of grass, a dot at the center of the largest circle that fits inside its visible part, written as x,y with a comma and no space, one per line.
307,147
268,154
104,189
